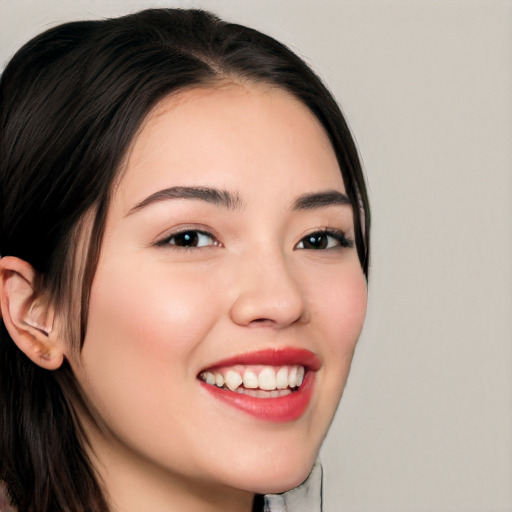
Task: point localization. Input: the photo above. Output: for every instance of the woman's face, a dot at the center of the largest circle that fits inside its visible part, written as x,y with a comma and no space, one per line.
228,255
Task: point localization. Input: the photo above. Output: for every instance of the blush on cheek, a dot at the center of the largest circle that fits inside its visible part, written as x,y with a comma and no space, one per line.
150,324
345,306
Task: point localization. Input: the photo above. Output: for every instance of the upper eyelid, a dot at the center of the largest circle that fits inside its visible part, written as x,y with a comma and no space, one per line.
164,239
328,231
186,226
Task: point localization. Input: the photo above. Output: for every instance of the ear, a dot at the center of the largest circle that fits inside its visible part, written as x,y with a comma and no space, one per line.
28,319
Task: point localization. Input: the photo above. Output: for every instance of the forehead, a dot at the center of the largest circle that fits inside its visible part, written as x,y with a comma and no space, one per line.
227,136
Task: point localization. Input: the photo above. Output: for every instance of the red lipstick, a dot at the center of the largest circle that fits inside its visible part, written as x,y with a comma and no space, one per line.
275,357
279,409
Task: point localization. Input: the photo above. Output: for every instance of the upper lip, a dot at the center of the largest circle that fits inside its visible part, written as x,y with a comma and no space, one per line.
273,357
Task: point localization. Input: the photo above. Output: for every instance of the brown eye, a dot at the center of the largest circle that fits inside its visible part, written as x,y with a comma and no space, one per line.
322,240
315,241
190,239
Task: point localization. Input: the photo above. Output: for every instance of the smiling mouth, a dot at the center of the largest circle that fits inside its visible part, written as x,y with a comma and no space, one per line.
271,385
260,381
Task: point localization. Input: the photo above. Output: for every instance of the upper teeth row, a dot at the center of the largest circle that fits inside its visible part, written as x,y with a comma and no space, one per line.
268,378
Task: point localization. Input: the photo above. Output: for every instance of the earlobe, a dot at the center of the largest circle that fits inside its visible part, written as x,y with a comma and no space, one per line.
28,319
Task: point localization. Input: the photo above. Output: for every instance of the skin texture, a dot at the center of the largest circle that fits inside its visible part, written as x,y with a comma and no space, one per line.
160,314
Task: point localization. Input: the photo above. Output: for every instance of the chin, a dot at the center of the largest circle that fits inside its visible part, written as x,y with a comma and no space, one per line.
282,483
288,482
277,476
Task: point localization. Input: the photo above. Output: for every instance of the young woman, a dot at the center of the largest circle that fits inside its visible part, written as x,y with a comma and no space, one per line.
184,242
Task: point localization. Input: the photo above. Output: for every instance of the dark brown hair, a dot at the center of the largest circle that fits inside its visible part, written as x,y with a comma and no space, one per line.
72,100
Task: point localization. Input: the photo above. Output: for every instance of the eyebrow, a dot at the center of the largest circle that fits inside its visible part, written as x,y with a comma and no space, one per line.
320,200
208,194
232,200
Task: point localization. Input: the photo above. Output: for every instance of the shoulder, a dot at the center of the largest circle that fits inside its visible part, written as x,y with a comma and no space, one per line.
5,505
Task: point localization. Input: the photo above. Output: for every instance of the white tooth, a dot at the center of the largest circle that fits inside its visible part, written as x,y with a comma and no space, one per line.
300,375
292,377
267,379
282,378
233,380
219,380
250,379
208,377
274,394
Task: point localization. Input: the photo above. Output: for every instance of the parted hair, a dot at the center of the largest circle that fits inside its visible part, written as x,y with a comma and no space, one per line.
71,102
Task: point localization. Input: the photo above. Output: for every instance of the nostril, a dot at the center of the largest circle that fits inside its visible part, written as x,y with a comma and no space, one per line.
262,321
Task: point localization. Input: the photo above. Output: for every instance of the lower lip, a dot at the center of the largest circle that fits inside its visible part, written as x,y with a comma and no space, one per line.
279,410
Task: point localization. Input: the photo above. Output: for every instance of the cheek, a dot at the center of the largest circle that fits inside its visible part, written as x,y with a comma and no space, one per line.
151,309
340,309
142,334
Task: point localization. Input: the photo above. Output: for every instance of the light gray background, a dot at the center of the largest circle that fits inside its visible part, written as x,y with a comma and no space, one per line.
426,420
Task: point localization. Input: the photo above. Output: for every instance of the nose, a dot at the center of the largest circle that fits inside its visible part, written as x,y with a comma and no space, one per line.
267,293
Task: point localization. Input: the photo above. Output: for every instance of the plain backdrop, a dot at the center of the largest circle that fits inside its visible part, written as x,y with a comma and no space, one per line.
426,419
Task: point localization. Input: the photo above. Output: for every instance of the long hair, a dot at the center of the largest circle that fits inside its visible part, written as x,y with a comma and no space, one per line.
72,100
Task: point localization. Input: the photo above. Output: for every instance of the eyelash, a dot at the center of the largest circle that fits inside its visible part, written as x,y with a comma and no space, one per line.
196,232
341,240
